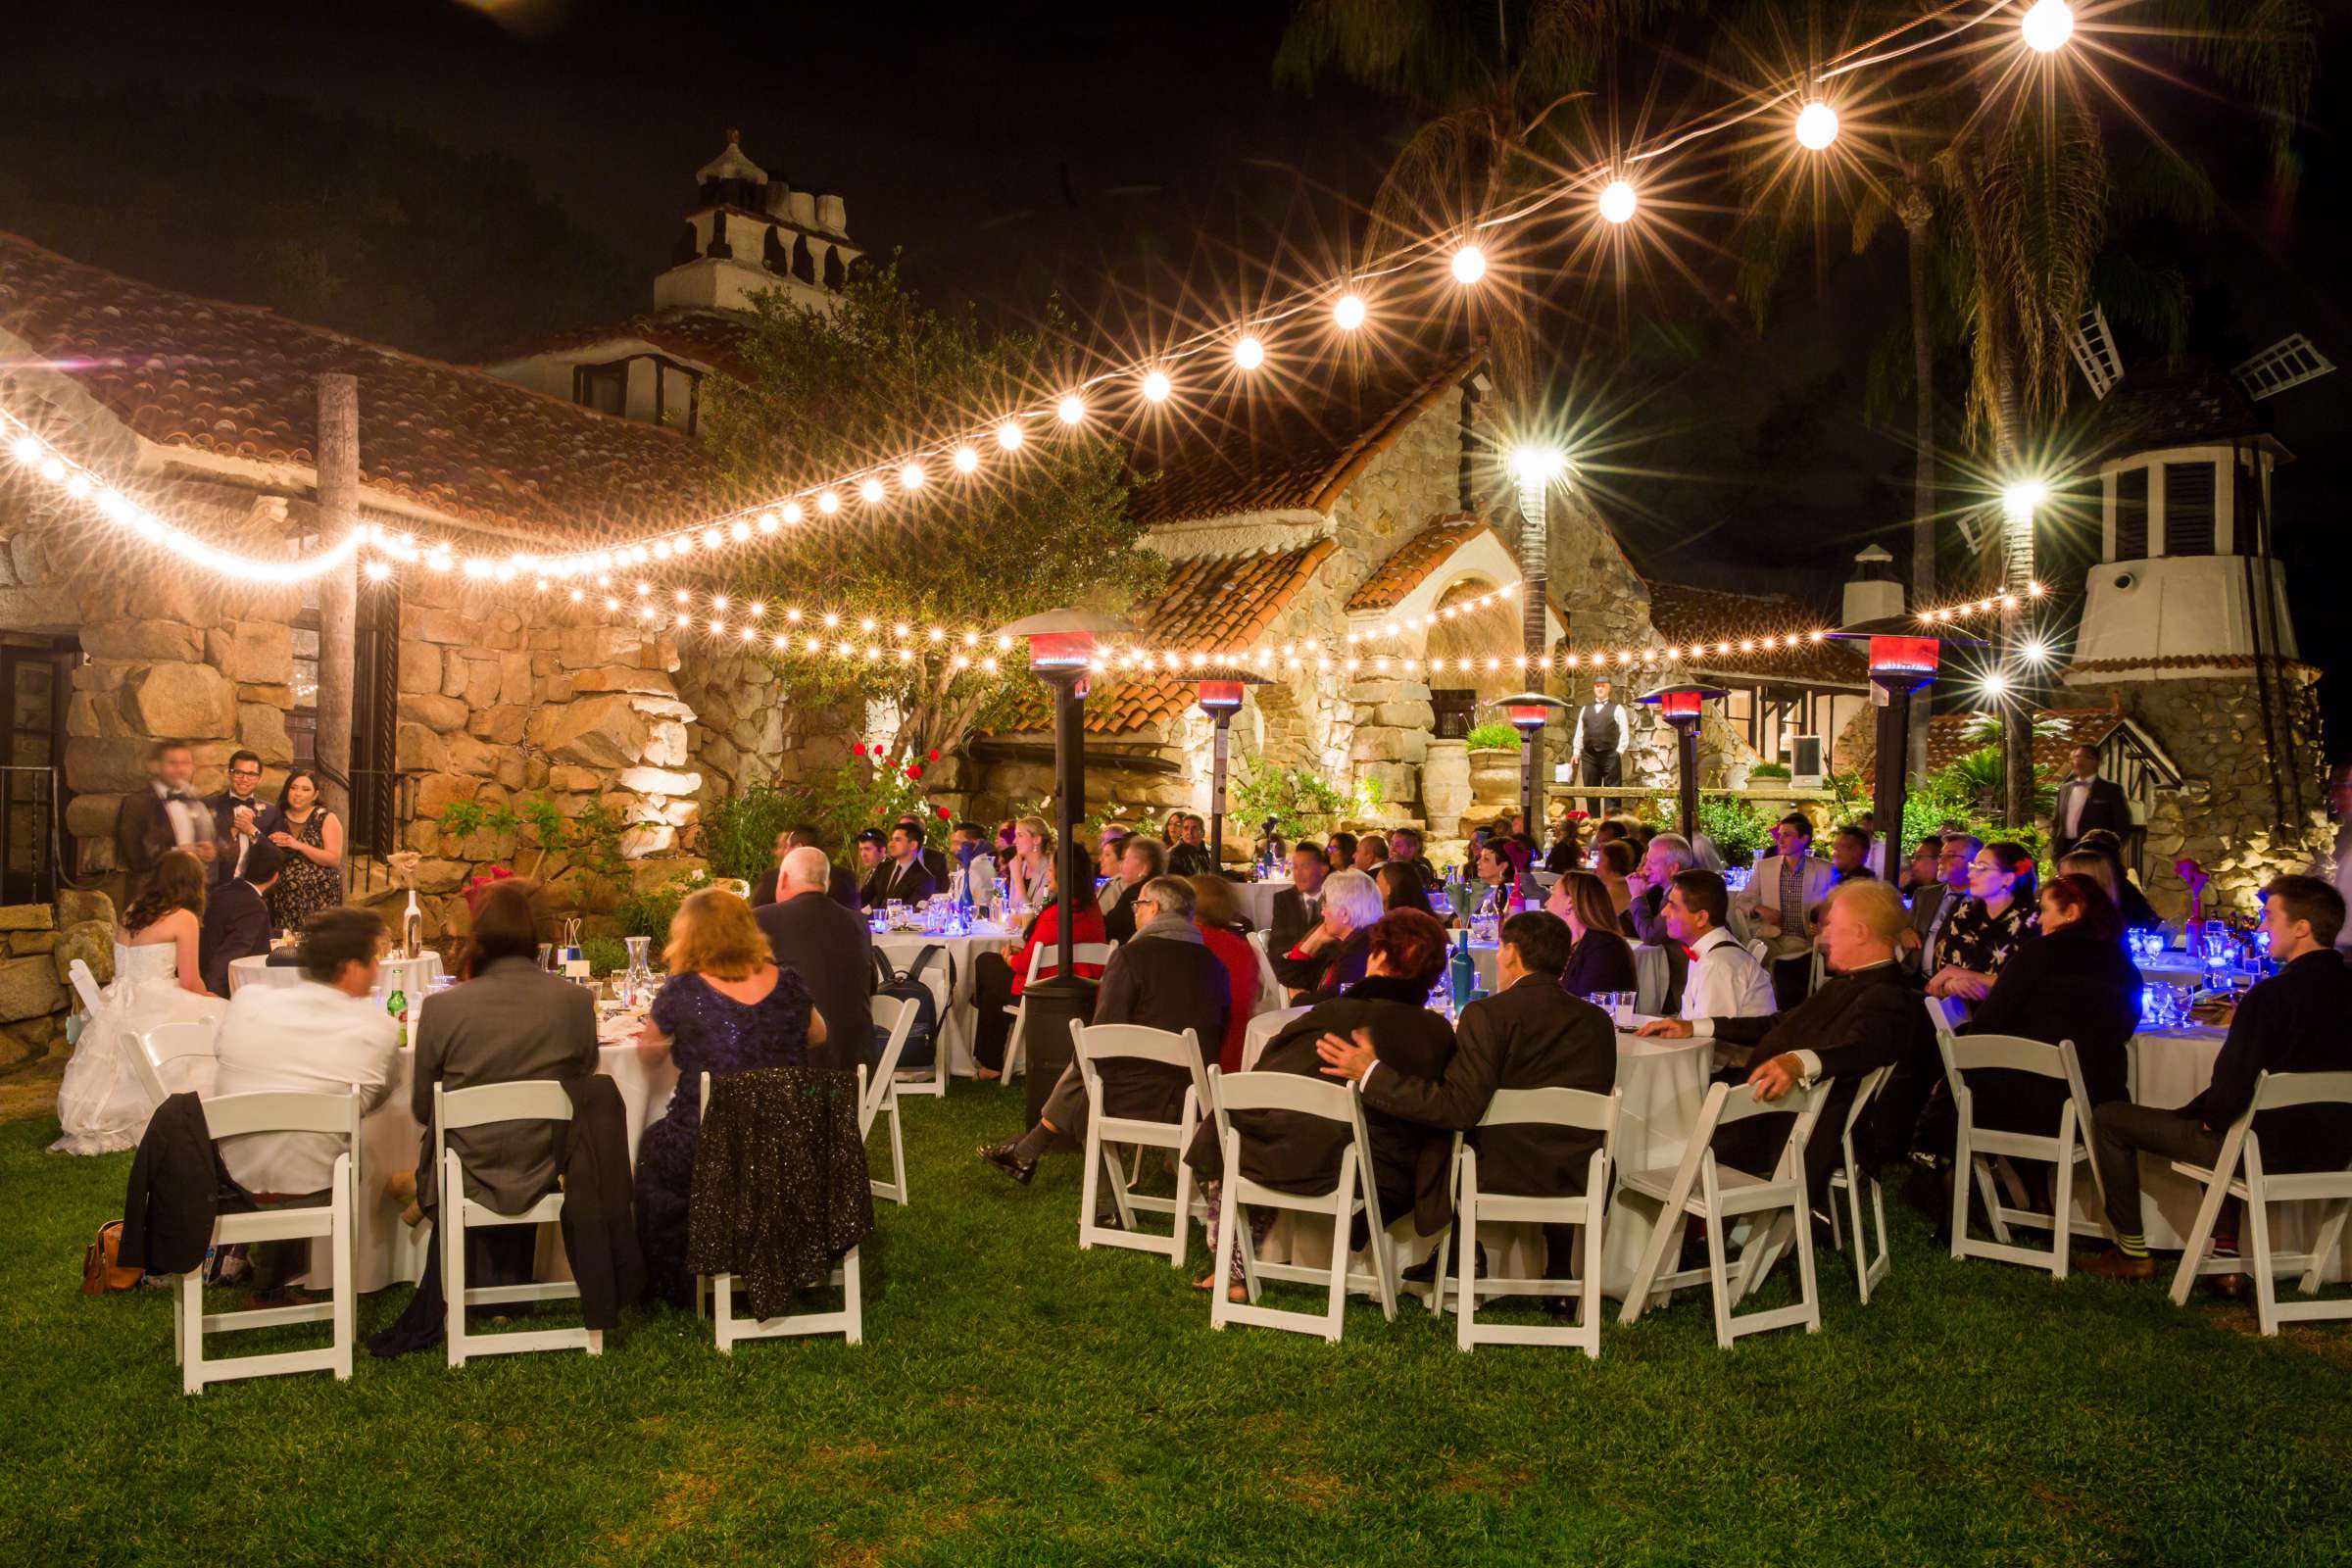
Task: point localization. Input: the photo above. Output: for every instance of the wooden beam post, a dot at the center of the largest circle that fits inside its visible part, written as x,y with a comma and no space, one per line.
338,451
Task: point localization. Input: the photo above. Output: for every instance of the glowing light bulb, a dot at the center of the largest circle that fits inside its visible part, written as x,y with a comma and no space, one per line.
710,539
25,450
1009,435
792,512
2024,498
1618,201
1349,311
739,530
1249,353
1156,386
1995,684
911,476
966,460
870,490
767,522
2047,27
1469,265
1815,125
827,502
1071,409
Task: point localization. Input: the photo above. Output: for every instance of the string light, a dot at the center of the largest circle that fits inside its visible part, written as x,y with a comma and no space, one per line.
911,477
2047,27
870,490
1157,387
2004,602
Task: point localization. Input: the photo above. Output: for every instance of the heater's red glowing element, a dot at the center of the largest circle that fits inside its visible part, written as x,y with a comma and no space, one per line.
1220,694
1905,655
1679,705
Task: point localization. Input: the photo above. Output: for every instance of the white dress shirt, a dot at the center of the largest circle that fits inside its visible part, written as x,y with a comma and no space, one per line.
2072,795
1625,730
306,1039
1725,982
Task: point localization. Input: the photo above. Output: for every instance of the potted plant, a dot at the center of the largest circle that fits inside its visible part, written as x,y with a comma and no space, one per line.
1493,761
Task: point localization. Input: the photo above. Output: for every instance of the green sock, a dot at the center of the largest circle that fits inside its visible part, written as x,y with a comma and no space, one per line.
2132,1244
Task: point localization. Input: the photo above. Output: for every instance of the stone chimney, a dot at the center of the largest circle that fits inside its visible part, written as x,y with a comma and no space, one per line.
1872,593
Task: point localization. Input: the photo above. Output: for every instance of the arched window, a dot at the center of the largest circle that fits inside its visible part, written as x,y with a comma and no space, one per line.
833,269
774,255
804,267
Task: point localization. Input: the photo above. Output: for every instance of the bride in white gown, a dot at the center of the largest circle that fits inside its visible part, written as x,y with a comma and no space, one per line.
102,1104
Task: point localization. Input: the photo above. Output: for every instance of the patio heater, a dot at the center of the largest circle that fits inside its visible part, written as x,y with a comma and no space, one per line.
1680,706
1903,663
1527,713
1061,652
1220,697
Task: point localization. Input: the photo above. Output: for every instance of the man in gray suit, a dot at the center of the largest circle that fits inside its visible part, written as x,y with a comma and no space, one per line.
831,950
509,1022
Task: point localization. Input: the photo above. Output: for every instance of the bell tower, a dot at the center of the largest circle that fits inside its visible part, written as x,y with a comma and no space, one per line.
750,234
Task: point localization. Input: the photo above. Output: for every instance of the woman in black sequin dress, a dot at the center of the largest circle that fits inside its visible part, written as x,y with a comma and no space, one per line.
727,1007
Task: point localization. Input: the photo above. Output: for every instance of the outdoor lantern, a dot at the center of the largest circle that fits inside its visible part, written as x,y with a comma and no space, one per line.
1062,651
1903,663
1220,697
1527,713
1681,706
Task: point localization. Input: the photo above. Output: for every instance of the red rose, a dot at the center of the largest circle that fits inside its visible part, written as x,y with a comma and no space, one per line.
914,771
931,756
943,812
858,750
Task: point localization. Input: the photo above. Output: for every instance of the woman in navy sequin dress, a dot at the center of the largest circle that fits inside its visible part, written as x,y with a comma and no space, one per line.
727,1007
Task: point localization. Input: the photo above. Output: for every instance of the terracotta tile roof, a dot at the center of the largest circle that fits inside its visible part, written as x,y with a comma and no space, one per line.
1259,444
237,381
706,336
1211,603
1409,565
1686,614
2227,662
2171,406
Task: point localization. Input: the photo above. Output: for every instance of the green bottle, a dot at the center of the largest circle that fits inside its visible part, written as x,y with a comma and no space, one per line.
397,1004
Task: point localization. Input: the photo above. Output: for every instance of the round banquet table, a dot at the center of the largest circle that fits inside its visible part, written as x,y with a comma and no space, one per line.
2170,1067
950,978
415,976
1257,900
1662,1083
388,1251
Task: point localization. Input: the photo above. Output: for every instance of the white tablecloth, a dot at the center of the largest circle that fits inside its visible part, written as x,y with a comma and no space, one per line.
951,981
2170,1067
415,976
1257,900
390,1252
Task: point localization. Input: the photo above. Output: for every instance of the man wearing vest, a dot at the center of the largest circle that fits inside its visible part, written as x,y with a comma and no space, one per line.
1601,731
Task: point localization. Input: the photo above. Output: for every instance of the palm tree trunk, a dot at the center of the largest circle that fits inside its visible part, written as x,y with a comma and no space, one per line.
1917,213
2017,571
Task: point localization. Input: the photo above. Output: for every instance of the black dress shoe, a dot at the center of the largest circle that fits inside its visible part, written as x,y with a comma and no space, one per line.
1563,1308
1003,1157
1425,1273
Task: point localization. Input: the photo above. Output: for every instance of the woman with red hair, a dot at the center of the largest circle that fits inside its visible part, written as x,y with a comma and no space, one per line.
1300,1153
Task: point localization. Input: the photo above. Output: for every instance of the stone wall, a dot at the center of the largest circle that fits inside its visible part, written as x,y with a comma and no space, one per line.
38,943
2225,816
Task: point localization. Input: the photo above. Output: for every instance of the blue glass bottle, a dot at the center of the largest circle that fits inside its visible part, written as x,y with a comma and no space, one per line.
1461,971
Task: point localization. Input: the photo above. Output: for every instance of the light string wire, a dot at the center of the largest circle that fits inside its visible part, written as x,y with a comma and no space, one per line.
961,450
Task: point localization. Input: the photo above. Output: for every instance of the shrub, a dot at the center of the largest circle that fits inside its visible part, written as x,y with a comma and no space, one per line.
604,954
647,914
739,832
1301,803
1493,737
1770,770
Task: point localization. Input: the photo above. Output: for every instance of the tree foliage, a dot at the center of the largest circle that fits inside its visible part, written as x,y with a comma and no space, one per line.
882,374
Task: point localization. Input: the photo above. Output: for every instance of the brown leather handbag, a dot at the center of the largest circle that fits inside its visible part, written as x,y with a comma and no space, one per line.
100,1273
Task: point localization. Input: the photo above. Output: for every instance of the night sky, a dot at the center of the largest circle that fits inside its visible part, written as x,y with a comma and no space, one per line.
1118,154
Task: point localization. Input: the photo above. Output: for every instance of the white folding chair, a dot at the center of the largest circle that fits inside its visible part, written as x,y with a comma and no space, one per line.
453,1109
1979,1148
936,1085
1849,1175
1097,954
1127,1042
849,1322
150,1053
86,986
1547,1107
1270,994
1354,1191
230,1116
1761,951
2256,1189
1716,1194
1945,1015
879,1095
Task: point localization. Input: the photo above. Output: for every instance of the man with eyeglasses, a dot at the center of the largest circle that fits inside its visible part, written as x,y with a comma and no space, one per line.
1931,905
241,818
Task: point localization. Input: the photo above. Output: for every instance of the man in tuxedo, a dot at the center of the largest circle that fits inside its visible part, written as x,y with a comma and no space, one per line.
873,865
1603,729
903,878
240,818
1299,905
236,917
830,949
2085,802
1404,845
934,859
1528,1034
167,815
1866,1015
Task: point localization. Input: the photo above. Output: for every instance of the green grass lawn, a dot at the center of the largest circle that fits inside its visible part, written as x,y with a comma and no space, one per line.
1019,1402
